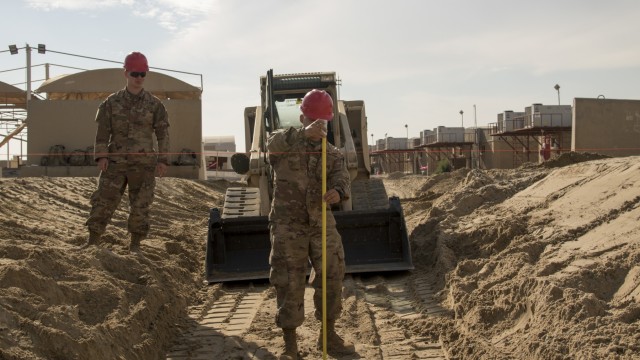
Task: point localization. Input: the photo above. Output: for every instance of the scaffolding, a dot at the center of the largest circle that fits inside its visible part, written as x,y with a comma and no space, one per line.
540,127
455,145
13,122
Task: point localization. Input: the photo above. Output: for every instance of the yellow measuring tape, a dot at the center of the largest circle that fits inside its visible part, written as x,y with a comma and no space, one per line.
324,250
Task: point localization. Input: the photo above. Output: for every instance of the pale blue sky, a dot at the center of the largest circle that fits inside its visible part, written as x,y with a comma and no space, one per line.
415,62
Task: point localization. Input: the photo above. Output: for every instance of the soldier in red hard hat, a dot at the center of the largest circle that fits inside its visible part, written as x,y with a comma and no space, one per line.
295,222
317,104
136,61
125,154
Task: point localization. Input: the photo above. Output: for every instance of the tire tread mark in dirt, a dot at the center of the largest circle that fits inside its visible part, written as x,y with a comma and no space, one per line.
227,317
406,299
390,301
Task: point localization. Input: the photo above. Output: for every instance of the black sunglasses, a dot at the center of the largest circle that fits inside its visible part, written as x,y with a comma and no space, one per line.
136,74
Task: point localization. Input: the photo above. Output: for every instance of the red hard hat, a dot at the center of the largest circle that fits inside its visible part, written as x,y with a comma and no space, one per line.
135,61
317,104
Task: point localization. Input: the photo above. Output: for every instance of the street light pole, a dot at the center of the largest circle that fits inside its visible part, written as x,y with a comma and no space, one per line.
557,87
462,117
13,50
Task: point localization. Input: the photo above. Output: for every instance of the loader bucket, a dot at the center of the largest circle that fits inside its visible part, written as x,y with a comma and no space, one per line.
374,241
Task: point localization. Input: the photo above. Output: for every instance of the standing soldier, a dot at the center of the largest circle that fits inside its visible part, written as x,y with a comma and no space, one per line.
295,222
125,155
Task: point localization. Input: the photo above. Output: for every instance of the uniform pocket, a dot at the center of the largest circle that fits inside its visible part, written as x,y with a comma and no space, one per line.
278,275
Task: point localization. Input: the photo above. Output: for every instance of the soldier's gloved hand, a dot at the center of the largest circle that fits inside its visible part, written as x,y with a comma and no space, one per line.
331,196
103,164
161,169
316,130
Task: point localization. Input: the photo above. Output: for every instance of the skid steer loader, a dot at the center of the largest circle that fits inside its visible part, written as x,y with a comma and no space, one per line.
372,226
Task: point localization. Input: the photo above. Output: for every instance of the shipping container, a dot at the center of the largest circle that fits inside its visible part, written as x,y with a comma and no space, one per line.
550,116
449,134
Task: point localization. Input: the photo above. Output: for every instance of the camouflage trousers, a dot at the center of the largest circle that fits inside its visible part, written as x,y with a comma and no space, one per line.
292,246
141,183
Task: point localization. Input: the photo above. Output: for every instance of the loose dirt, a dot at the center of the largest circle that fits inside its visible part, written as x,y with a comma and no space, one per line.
539,262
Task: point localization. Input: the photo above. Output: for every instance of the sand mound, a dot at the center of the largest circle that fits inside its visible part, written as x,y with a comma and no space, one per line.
540,264
100,303
569,158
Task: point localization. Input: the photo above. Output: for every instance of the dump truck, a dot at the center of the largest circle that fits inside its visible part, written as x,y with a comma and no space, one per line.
371,224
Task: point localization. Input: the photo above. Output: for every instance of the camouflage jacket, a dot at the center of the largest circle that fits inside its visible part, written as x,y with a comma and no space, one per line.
297,165
126,124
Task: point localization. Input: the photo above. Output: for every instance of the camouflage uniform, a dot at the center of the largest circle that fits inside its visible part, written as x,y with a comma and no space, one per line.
126,124
296,225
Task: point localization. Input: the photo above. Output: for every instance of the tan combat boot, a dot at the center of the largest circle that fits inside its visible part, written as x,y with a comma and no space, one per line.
335,344
290,351
94,239
134,246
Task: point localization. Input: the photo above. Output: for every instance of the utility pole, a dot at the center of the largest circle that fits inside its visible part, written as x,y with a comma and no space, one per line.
28,51
477,139
406,126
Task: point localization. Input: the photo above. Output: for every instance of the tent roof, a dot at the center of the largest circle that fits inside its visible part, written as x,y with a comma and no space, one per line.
10,94
100,83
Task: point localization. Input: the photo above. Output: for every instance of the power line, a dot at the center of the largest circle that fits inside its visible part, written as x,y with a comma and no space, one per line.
120,62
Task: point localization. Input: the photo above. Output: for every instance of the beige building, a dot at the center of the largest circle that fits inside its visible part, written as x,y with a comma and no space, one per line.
67,117
531,136
391,154
609,127
451,144
218,151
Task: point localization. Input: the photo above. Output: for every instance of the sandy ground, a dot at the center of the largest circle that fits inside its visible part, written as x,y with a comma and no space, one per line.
540,262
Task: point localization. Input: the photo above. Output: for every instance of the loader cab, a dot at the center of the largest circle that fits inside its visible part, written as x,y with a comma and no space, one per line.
282,95
288,112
